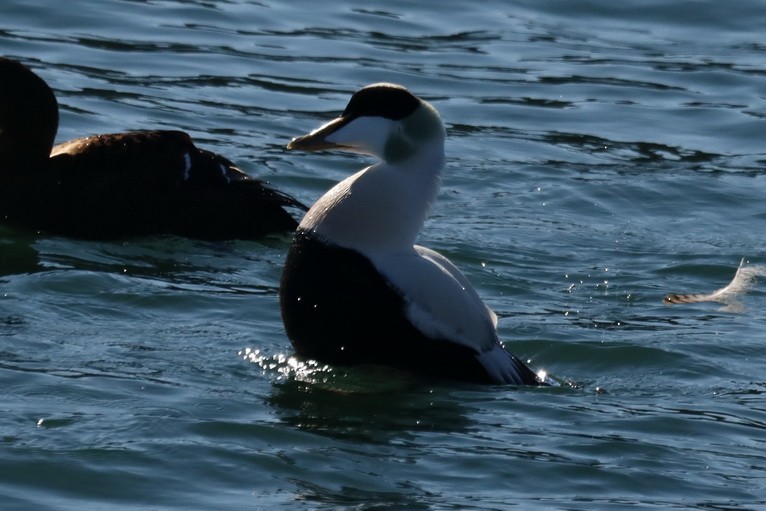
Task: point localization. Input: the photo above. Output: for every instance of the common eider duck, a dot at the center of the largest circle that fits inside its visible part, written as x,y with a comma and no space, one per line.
120,185
355,288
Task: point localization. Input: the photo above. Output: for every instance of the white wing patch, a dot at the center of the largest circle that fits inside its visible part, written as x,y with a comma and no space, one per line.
442,303
224,172
450,268
187,167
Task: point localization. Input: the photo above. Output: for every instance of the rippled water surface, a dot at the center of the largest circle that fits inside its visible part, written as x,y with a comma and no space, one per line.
601,154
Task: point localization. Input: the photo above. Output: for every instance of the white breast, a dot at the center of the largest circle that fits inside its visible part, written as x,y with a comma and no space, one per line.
381,208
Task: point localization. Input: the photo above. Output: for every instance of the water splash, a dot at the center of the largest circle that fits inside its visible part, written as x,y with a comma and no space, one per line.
743,280
286,367
364,379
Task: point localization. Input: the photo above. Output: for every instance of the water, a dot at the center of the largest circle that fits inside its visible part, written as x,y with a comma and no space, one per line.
601,155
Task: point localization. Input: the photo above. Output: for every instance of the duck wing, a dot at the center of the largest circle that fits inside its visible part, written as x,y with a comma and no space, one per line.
442,304
155,182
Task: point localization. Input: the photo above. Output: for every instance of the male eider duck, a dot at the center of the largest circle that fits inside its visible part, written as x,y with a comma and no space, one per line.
120,185
355,288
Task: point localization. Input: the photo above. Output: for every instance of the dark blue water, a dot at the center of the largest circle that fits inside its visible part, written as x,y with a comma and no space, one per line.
601,154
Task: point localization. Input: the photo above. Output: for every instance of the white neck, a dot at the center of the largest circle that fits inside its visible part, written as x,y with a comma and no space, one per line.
383,207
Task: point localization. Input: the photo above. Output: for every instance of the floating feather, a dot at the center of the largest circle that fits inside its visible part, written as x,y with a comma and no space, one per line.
743,280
